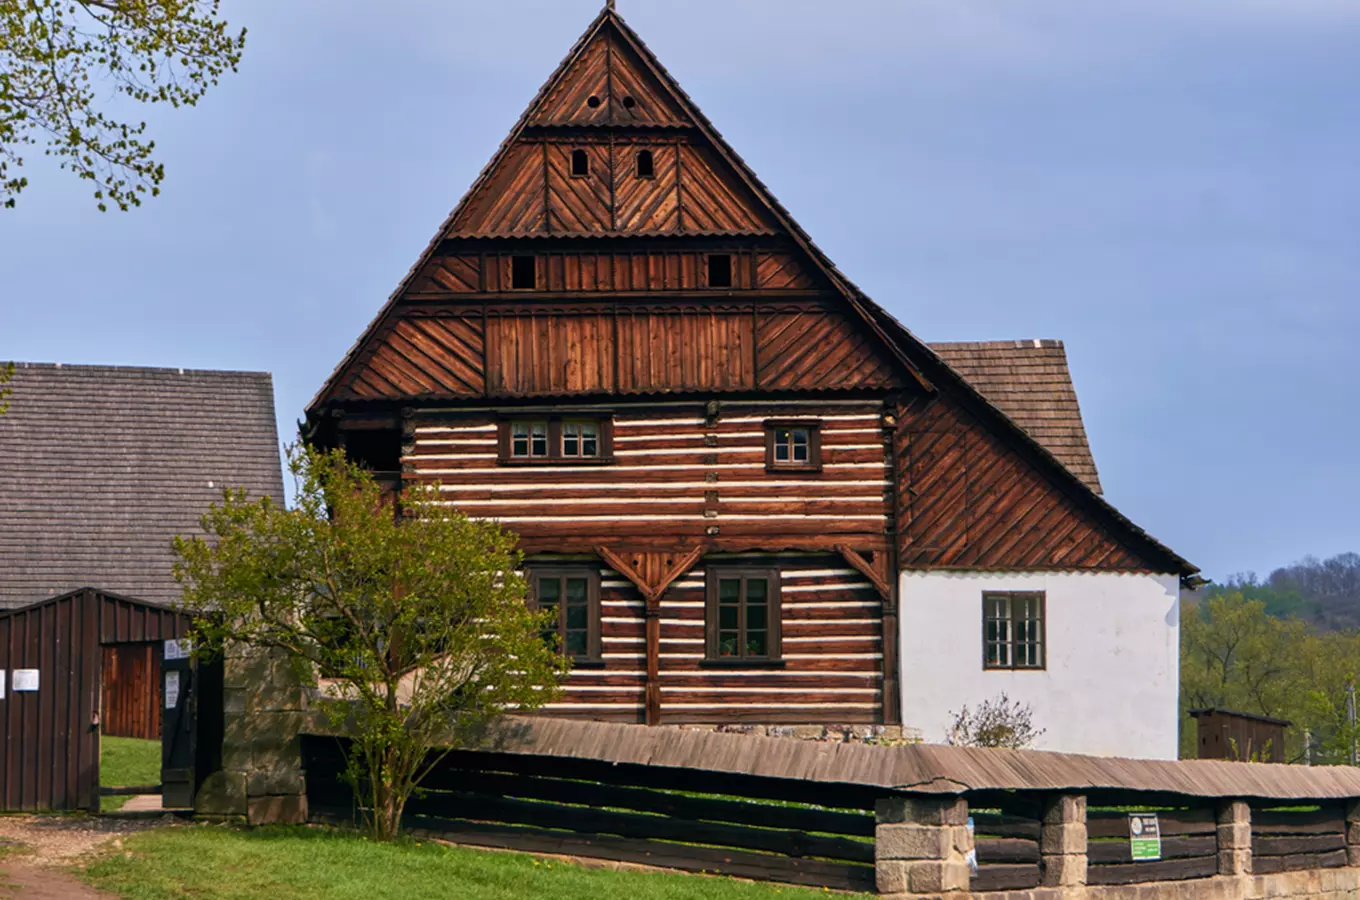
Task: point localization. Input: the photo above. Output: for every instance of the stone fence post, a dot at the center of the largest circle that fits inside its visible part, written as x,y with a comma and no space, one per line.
1234,837
1062,841
921,845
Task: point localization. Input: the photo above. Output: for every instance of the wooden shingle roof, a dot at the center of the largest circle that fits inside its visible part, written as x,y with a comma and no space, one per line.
1030,382
101,466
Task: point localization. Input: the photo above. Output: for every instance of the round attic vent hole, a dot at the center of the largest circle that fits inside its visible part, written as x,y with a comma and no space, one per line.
629,102
593,101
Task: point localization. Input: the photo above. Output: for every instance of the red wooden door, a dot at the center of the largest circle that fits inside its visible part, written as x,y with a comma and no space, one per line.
131,692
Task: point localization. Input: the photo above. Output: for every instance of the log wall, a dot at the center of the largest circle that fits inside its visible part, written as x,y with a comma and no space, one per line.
695,481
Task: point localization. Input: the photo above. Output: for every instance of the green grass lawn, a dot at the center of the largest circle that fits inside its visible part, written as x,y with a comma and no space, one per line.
125,761
215,862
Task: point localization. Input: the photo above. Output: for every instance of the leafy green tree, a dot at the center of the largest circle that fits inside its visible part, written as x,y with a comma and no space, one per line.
414,634
57,56
1235,655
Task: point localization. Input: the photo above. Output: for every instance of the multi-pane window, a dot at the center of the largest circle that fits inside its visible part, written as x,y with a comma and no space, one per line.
528,439
556,440
1013,630
793,445
743,614
573,594
580,439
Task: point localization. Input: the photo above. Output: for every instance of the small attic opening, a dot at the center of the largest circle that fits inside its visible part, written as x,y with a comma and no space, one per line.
580,164
593,102
719,270
629,103
646,166
378,450
523,273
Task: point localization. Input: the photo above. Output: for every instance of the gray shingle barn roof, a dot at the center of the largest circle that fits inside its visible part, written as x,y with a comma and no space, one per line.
1030,382
101,466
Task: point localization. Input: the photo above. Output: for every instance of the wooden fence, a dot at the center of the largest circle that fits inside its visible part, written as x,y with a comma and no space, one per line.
1189,845
748,826
1290,838
579,792
1007,841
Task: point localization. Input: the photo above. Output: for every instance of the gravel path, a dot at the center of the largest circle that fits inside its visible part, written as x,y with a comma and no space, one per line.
43,847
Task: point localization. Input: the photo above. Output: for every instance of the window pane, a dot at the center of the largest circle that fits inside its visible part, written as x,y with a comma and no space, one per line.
756,590
729,590
590,439
548,591
540,438
571,439
756,643
519,439
727,617
781,449
800,445
576,590
727,643
577,643
756,618
578,615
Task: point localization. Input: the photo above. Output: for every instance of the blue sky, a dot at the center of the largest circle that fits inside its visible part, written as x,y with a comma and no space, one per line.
1171,188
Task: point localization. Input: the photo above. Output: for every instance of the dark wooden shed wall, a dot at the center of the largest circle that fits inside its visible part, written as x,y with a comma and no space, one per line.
49,745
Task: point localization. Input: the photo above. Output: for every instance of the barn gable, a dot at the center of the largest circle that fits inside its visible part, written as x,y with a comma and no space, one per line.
460,325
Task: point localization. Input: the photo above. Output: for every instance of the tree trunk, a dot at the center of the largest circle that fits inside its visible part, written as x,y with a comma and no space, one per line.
388,801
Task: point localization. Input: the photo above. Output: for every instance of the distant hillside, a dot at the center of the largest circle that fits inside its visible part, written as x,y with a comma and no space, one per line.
1323,593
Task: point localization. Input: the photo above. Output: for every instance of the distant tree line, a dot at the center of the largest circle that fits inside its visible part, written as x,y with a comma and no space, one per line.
1287,646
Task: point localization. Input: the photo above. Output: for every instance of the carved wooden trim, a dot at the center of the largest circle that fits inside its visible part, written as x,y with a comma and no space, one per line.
868,570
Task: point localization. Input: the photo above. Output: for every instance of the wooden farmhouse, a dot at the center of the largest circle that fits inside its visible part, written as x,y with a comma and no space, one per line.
751,494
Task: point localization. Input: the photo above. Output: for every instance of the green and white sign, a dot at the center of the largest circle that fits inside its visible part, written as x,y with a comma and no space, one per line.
1145,837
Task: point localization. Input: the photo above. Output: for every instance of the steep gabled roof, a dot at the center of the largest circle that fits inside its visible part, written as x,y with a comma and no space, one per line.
101,466
918,359
1030,382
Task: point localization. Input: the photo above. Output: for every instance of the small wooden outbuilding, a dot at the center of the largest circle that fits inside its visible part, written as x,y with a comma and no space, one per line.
58,689
1229,734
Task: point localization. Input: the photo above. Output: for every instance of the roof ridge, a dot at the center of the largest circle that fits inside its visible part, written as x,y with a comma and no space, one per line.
1016,344
157,370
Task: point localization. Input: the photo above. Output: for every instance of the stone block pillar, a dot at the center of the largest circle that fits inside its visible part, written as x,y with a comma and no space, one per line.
1062,841
1234,837
921,845
265,712
1353,832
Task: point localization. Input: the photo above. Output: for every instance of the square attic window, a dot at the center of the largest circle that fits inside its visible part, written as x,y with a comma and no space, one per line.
720,270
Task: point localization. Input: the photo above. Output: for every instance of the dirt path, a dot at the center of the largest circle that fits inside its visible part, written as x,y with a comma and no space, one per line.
43,847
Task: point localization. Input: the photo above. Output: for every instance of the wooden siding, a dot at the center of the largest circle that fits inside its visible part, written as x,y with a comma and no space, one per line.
604,271
609,71
532,191
424,356
527,350
968,498
674,476
512,200
132,692
832,648
802,349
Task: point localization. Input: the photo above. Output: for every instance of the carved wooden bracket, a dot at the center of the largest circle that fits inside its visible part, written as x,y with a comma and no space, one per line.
652,572
875,571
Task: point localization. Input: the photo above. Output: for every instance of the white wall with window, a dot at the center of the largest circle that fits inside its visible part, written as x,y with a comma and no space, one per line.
1095,655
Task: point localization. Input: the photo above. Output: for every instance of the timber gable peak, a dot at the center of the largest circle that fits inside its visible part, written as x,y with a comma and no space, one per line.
611,101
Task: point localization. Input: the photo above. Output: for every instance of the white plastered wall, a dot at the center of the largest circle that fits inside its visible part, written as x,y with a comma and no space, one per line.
1113,652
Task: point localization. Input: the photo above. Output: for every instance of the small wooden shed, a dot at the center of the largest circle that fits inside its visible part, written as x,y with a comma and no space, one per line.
1229,734
59,688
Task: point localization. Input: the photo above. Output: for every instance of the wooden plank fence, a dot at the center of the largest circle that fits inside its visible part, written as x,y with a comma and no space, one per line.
1189,845
747,826
1284,839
